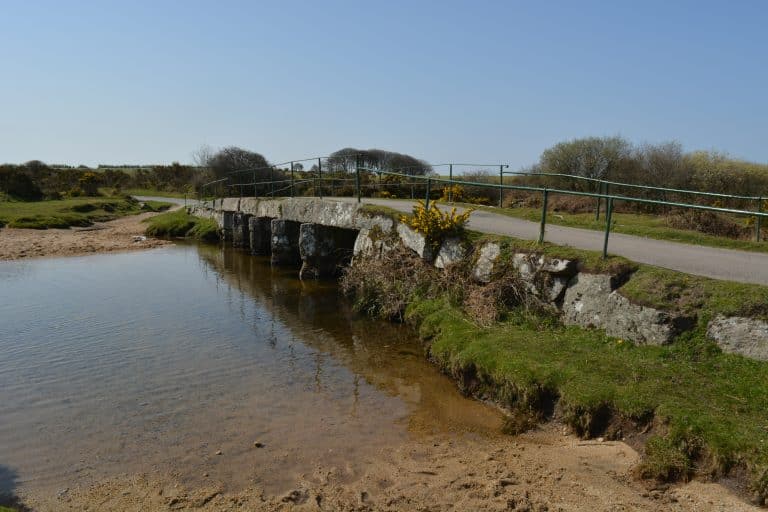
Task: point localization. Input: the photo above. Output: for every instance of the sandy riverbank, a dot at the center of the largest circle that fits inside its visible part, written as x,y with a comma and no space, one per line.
116,235
545,470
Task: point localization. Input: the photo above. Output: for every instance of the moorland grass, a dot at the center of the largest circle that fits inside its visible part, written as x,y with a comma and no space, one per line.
65,213
180,224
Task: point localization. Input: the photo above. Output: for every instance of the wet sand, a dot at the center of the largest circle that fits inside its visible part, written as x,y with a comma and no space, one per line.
102,237
540,471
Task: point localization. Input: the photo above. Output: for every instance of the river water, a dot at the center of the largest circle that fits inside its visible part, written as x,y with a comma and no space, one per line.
179,360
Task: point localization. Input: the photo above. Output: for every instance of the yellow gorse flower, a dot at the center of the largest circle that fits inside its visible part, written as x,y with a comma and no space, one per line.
435,224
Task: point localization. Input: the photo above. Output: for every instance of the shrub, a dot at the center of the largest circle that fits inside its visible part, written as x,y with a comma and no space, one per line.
453,193
435,224
711,223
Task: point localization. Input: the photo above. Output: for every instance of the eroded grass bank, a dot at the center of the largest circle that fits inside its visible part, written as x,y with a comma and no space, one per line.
692,410
180,224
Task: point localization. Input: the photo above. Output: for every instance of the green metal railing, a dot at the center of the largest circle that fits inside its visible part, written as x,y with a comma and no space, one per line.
290,183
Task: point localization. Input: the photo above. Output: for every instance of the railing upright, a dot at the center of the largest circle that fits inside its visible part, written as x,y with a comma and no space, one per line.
599,200
608,215
501,184
292,180
320,177
426,200
758,219
543,225
357,176
450,183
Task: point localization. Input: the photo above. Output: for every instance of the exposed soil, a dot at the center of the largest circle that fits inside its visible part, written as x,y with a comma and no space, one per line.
116,235
545,470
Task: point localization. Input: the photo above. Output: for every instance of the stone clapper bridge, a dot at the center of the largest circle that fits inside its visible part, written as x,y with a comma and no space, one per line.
321,236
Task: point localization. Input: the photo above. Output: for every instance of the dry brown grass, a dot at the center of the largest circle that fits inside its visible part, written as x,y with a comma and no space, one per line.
711,223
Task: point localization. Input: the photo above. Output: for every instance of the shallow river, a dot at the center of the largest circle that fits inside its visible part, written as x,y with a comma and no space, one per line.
179,360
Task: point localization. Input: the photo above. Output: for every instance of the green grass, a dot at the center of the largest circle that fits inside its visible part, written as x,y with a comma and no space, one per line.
81,211
710,407
694,295
179,223
386,211
649,226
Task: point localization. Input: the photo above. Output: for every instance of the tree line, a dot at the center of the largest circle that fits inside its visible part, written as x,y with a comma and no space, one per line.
609,158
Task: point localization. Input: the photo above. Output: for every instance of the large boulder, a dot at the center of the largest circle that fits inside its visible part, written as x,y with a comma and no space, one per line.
373,243
451,251
486,259
415,241
740,335
591,301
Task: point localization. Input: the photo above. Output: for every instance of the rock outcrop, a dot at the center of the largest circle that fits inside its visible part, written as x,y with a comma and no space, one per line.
740,335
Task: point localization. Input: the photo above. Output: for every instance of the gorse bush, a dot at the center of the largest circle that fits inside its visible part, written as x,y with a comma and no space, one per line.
435,224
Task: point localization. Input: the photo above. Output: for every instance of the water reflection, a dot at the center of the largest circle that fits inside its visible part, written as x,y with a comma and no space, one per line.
158,360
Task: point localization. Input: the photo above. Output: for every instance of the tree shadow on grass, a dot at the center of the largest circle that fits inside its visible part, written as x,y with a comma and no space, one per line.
8,482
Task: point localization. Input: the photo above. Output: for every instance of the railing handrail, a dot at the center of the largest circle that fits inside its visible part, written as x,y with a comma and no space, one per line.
635,185
411,179
582,194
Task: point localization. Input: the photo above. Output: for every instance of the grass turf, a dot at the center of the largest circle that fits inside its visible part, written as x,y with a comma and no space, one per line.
710,407
65,213
179,223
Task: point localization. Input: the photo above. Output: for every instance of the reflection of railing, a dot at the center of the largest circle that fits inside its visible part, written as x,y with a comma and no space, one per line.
364,178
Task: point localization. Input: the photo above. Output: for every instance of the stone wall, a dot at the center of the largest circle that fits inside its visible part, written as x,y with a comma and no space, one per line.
318,236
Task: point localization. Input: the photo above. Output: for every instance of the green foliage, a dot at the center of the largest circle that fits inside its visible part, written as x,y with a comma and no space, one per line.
15,183
180,224
65,213
666,459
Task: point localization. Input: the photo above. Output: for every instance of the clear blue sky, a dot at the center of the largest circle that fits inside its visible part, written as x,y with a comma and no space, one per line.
151,81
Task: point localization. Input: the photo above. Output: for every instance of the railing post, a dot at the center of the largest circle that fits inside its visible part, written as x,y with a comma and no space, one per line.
320,177
357,176
254,184
501,184
608,215
379,184
543,226
450,183
429,187
292,180
272,181
599,200
758,219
